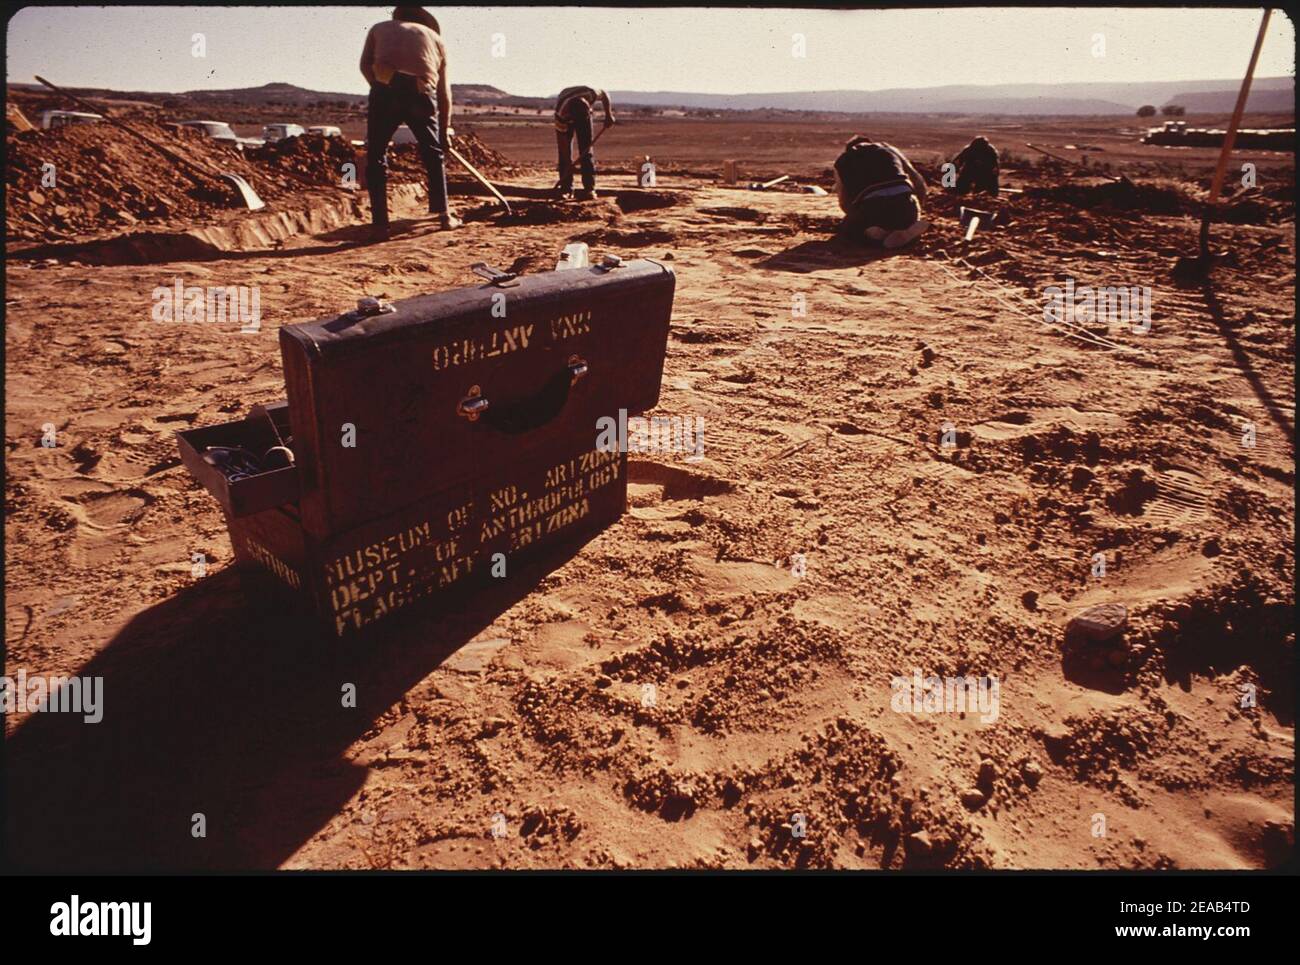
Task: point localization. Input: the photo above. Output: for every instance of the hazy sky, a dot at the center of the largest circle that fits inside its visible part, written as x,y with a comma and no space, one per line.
687,49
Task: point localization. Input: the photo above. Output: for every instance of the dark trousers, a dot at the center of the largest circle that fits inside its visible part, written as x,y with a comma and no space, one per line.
579,126
892,213
403,100
977,177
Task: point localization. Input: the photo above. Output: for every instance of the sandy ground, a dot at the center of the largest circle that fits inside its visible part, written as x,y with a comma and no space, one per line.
707,683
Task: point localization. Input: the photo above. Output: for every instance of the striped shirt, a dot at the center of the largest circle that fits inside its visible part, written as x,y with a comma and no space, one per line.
571,96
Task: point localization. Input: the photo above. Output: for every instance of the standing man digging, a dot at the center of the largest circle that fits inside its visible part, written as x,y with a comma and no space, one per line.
406,65
573,110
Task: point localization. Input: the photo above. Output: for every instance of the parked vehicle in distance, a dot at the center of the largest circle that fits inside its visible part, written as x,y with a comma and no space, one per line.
1178,134
53,119
325,130
220,131
274,133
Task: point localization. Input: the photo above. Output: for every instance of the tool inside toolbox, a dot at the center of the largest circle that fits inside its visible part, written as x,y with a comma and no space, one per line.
237,462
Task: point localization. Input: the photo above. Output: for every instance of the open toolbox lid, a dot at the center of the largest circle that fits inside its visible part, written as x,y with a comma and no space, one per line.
389,404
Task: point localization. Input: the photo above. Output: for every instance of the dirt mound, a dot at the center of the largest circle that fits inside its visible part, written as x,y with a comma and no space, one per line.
1122,195
89,178
1254,206
322,161
312,157
74,181
558,212
478,153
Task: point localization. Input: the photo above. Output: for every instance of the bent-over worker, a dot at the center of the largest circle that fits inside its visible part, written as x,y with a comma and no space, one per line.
573,120
880,193
406,65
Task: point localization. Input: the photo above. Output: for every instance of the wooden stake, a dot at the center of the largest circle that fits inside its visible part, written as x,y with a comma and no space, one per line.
1216,186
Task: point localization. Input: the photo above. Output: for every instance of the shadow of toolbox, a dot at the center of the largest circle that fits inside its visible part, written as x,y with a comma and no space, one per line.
430,435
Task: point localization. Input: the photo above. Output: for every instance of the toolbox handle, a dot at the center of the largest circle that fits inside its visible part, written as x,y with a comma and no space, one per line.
525,415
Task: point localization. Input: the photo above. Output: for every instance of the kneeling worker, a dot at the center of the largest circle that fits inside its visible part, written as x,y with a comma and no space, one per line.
880,193
573,110
406,64
977,167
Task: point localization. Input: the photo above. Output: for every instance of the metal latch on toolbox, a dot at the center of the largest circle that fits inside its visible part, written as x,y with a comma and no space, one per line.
473,405
369,305
502,279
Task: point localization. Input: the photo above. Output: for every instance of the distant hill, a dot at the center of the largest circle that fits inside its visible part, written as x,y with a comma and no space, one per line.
281,94
1223,101
1030,105
481,92
1268,95
287,94
1085,98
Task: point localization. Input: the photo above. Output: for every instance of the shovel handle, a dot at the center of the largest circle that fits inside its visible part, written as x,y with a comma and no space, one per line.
578,157
176,159
1066,160
481,180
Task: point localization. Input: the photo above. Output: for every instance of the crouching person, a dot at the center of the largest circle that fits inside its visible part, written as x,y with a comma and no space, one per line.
977,167
880,193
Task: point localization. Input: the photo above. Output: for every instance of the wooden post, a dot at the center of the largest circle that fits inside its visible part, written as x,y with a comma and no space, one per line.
1216,186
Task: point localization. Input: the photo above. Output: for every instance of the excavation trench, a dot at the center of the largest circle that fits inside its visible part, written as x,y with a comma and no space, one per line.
307,215
312,215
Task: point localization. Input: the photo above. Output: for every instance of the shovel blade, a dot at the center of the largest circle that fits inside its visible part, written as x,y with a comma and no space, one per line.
246,192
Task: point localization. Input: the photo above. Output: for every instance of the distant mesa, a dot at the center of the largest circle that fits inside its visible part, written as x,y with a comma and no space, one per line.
1271,94
1274,95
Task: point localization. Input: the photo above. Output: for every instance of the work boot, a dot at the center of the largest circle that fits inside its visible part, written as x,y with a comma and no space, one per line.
586,194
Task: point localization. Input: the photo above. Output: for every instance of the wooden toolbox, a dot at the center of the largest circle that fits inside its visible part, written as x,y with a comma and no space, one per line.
433,434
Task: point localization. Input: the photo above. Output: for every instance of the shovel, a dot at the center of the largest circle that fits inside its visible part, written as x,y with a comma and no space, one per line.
204,176
1066,160
474,171
577,158
972,218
